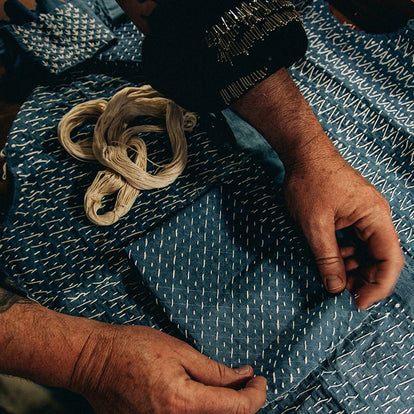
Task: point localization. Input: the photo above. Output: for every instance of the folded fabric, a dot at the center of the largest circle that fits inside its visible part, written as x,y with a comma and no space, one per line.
370,371
82,258
111,9
125,56
360,87
18,13
61,38
230,271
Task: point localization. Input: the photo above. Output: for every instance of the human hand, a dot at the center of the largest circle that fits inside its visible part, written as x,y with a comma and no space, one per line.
324,193
135,369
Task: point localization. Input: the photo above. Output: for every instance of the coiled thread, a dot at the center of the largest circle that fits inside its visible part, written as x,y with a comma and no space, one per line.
114,140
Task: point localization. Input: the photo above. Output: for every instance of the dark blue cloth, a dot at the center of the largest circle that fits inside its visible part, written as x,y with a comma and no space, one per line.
111,9
215,258
52,44
232,274
78,255
62,38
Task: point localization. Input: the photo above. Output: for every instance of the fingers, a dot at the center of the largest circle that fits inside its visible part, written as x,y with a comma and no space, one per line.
212,397
347,251
350,261
322,241
380,277
215,400
351,264
210,372
209,388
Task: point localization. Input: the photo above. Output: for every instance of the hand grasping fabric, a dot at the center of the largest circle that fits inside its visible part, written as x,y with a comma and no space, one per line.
139,370
324,193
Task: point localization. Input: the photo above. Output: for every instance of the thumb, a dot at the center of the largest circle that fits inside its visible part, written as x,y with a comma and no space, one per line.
210,372
324,245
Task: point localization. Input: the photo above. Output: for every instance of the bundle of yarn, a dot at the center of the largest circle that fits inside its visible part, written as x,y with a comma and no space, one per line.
114,140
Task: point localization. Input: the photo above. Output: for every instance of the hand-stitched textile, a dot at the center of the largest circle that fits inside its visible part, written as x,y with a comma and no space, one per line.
229,46
124,57
232,274
78,257
319,354
62,38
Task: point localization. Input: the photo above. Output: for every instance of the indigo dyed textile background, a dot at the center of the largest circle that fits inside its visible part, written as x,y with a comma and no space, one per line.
215,258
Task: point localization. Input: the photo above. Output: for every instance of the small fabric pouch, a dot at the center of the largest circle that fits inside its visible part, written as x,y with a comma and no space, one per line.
62,38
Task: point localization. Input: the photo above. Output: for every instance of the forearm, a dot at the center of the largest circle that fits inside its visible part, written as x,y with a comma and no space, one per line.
277,109
37,343
324,194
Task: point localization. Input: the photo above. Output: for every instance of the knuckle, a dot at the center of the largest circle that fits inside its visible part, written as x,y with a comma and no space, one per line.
382,204
387,291
314,223
401,261
221,371
328,261
172,402
172,406
384,291
243,407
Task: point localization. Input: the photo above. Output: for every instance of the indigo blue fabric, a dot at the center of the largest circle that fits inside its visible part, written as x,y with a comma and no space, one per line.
124,57
111,9
53,44
61,38
233,275
215,258
230,271
80,258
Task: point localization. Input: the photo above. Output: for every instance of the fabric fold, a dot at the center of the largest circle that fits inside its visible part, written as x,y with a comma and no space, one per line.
238,282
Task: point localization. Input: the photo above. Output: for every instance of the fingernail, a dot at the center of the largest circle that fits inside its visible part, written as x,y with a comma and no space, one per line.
333,282
245,370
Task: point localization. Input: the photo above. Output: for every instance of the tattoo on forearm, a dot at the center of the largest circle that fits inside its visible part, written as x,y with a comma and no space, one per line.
8,299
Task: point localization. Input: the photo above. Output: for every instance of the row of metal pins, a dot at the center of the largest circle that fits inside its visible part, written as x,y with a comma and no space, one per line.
255,10
232,47
239,87
225,39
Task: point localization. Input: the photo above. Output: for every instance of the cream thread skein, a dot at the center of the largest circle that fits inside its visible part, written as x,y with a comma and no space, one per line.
113,138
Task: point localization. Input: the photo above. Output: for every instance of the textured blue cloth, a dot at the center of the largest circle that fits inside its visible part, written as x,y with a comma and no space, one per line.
80,257
60,39
111,9
231,272
57,40
215,257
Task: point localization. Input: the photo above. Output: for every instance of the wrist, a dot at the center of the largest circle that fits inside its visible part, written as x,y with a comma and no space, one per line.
40,344
308,154
276,108
92,370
